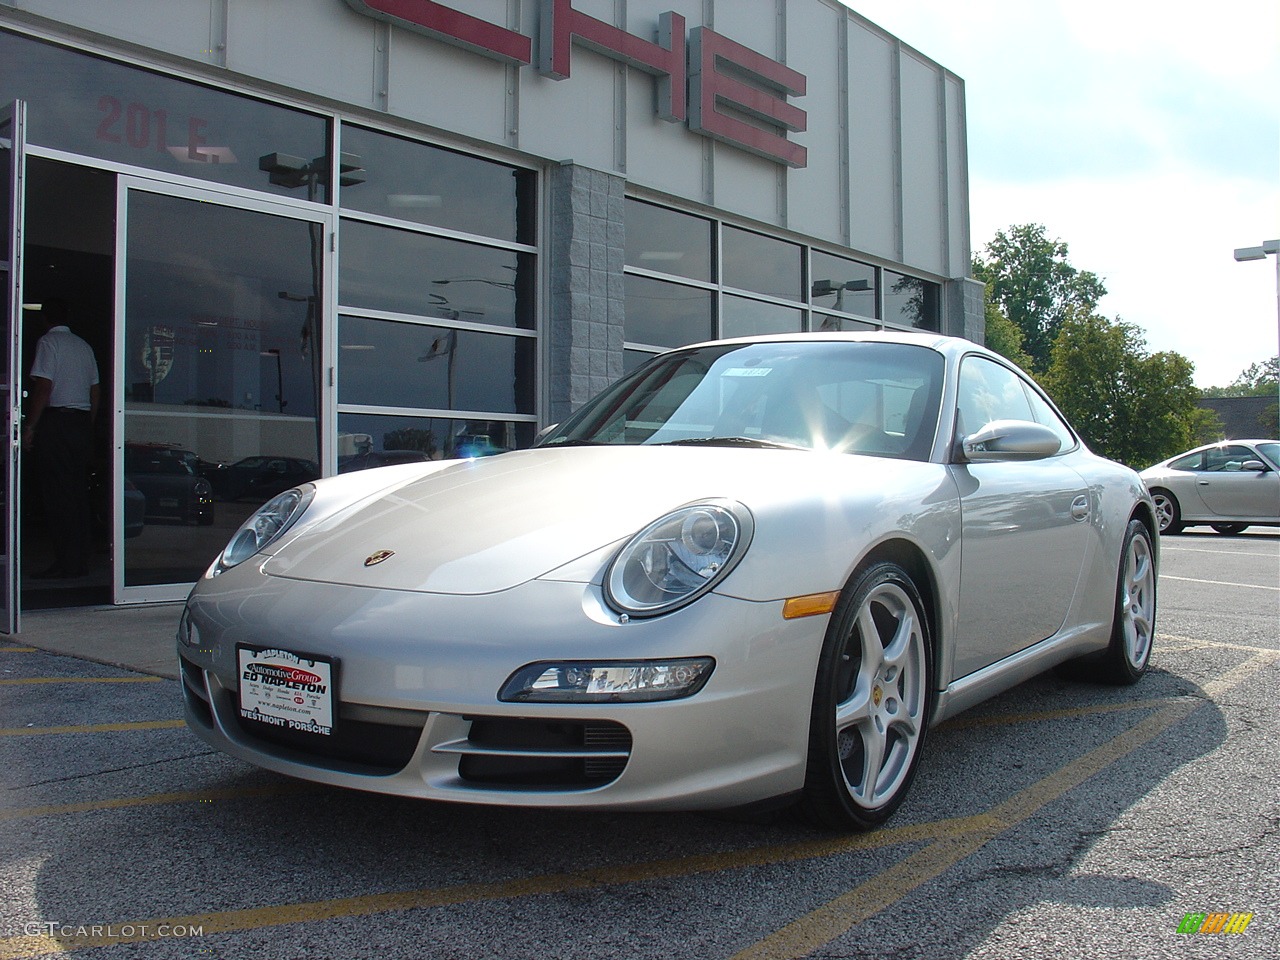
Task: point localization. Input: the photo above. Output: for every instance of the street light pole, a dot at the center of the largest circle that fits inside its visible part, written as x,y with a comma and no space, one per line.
1268,248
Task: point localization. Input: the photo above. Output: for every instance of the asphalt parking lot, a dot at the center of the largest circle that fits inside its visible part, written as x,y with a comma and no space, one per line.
1059,818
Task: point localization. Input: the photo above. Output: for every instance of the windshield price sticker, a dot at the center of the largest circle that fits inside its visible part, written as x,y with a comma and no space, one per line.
285,690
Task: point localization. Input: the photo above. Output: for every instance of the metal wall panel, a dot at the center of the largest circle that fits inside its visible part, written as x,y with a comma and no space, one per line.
923,233
873,143
817,195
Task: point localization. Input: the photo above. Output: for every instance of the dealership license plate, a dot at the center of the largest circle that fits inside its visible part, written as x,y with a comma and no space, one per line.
286,690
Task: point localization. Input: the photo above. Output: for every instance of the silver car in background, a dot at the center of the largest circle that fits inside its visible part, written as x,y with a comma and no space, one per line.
752,571
1230,486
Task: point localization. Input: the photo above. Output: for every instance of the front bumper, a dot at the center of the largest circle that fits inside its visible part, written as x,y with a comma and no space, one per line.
418,676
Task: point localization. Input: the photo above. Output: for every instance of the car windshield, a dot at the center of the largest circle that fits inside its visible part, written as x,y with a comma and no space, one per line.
842,396
1270,450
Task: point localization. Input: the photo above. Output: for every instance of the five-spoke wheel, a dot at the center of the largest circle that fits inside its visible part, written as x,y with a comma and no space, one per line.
871,701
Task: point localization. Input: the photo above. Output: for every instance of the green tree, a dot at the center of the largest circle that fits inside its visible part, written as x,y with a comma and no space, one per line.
1128,404
1003,335
1256,380
1031,281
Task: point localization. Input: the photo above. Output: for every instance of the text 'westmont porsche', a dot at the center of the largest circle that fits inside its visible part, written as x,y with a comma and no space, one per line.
751,571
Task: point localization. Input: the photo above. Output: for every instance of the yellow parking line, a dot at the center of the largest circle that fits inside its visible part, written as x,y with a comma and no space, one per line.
92,728
837,917
30,680
154,799
948,842
17,649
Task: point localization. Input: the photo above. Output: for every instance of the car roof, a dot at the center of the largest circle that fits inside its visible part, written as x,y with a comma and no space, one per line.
949,346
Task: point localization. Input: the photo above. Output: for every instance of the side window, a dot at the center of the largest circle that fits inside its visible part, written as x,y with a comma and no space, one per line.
989,391
1229,458
1191,461
1046,415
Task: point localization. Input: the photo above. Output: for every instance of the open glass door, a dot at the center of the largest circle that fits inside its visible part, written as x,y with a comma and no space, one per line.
12,139
221,379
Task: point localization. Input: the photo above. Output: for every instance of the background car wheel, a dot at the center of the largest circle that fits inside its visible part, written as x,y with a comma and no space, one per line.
1134,627
871,702
1168,513
1230,528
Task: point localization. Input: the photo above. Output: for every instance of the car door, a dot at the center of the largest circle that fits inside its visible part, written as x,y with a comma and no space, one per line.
1024,526
1232,492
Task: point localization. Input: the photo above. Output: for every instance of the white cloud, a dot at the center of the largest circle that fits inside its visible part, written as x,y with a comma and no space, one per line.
1145,138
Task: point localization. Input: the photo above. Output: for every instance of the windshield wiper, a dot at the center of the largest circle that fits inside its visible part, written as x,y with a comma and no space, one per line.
733,442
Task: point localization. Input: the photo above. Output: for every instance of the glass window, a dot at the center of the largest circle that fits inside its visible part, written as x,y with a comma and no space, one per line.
1045,414
668,314
373,440
222,369
667,241
911,302
763,264
104,109
404,272
1191,461
748,318
989,391
415,181
1230,457
384,363
830,322
846,286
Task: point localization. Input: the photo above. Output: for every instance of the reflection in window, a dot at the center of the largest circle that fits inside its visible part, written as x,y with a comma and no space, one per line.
762,264
667,241
408,180
749,318
843,285
391,364
369,440
404,272
100,108
668,314
911,302
828,322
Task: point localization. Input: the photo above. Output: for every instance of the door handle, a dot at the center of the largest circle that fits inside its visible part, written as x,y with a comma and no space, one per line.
1080,508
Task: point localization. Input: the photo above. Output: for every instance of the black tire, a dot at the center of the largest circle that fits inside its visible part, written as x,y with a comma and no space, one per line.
1230,529
1133,627
1168,513
866,703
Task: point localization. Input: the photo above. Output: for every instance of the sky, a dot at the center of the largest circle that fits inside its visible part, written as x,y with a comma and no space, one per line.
1144,135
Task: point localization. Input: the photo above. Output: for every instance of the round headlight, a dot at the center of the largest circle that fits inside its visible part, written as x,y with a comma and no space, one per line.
266,525
677,558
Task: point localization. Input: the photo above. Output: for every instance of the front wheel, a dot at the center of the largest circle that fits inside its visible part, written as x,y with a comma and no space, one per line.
871,702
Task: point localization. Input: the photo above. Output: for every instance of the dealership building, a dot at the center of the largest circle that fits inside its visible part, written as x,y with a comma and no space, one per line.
311,236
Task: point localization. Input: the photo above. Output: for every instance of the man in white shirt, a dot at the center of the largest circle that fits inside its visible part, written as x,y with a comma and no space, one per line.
62,404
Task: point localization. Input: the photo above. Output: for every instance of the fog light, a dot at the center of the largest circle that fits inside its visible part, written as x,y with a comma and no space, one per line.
632,681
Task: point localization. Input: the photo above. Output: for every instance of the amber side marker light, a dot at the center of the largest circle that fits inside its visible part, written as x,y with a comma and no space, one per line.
812,605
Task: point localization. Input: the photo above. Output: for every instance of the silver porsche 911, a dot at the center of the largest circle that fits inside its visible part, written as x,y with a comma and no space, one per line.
752,571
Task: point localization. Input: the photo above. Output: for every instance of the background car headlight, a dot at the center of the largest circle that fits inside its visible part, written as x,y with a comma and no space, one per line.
271,520
677,558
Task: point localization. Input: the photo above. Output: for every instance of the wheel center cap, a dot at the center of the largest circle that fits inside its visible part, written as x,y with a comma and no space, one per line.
877,695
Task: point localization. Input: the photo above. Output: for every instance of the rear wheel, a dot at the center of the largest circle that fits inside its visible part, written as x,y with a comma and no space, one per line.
1133,628
871,702
1229,529
1168,513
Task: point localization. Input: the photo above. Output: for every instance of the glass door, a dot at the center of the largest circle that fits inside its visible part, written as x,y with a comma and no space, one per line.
222,373
12,164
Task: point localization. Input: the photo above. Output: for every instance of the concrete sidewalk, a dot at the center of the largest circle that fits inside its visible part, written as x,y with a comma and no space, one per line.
140,638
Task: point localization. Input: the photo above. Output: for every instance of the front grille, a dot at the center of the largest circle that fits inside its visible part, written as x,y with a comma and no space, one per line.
542,754
376,747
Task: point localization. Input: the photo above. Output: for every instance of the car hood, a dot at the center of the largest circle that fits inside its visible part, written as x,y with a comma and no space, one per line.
486,525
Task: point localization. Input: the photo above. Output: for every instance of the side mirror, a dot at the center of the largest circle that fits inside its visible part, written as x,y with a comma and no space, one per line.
1255,465
1005,440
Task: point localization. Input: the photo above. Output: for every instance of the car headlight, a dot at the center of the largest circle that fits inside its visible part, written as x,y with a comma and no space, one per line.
609,681
266,525
678,558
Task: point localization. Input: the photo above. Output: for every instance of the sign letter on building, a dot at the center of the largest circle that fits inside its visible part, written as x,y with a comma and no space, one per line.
715,65
445,23
562,25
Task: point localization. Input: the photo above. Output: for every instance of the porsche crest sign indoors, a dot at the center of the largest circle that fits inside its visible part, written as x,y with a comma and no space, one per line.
719,87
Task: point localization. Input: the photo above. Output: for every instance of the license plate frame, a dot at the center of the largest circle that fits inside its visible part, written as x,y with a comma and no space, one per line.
287,689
